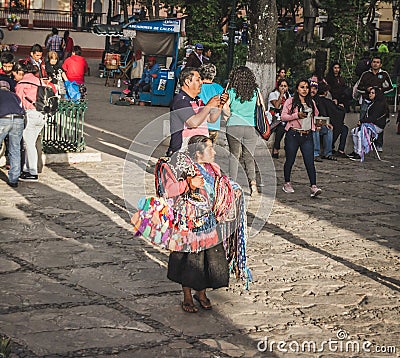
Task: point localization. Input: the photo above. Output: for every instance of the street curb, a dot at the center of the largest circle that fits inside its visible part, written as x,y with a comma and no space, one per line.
71,158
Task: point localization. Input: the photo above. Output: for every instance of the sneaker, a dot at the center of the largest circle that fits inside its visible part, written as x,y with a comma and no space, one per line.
379,148
28,177
340,154
126,91
354,155
287,188
13,185
315,191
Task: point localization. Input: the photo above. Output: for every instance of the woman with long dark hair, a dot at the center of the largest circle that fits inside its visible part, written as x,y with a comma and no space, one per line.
240,127
337,86
276,100
68,45
299,112
377,114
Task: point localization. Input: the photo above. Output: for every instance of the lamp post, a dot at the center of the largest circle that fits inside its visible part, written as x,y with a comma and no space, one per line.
231,39
110,5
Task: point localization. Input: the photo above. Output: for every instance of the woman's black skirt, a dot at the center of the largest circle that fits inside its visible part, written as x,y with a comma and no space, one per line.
206,269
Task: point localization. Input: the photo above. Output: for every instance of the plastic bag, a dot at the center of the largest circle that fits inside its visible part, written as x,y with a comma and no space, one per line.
72,90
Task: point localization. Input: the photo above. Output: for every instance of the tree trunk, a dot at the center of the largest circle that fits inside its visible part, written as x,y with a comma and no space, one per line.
149,6
124,4
157,9
262,50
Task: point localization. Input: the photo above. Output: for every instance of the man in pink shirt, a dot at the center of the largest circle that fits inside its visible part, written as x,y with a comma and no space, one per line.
76,66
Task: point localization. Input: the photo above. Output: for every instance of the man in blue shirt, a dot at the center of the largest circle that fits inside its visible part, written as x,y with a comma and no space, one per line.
149,73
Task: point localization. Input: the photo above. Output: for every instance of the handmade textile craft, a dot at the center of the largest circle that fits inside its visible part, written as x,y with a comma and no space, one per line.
190,221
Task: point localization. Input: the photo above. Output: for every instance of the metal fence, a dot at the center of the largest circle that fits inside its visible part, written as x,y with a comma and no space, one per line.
62,20
64,131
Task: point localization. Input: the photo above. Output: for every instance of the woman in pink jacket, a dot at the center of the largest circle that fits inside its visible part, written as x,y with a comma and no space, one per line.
26,89
299,111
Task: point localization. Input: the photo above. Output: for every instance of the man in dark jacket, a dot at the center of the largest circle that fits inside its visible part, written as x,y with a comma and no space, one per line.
374,78
11,124
196,58
336,114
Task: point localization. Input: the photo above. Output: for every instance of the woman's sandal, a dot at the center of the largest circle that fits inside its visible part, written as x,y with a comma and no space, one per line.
204,304
330,157
189,307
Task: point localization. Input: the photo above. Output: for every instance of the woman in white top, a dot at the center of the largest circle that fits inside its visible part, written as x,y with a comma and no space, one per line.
276,101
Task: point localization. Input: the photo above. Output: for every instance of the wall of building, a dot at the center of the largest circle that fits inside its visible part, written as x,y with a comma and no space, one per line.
92,45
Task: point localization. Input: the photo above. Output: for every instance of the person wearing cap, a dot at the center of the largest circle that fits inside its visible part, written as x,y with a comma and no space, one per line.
11,124
150,72
196,58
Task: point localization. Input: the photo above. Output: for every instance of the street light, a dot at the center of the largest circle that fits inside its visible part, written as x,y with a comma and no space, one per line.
231,39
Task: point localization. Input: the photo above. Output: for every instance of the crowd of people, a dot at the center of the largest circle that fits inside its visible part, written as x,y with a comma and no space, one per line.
21,83
311,119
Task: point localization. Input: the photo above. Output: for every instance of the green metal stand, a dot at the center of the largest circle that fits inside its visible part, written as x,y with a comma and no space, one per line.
64,131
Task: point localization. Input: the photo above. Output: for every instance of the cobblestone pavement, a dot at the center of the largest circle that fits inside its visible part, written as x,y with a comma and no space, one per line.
73,282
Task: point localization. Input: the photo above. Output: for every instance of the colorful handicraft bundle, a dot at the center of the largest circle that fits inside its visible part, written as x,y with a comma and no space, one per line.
189,222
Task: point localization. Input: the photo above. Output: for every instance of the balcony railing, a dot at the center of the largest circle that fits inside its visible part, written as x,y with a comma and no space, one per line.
46,19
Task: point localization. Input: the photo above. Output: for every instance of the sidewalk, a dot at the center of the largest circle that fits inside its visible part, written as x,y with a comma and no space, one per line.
74,282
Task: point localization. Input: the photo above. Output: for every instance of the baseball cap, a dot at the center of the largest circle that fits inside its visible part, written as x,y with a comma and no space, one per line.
313,83
199,47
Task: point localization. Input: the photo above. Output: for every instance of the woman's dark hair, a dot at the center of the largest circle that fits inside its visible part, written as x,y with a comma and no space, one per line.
280,82
66,35
296,99
330,72
29,68
380,97
197,143
17,67
243,81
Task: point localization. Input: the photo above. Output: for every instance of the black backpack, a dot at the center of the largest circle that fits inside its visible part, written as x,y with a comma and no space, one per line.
46,100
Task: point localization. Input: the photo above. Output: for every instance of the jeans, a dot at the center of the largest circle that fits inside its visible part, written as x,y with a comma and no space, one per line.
35,124
279,133
293,140
327,138
13,127
343,138
242,139
363,108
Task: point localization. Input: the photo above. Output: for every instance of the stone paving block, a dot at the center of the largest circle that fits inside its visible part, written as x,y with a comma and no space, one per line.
58,331
21,289
167,310
122,281
8,265
64,252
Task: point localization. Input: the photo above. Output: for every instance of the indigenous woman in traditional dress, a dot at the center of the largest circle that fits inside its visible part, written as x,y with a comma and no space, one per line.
199,215
206,268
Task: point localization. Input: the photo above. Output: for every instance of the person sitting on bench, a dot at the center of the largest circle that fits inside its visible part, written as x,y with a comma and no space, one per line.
377,114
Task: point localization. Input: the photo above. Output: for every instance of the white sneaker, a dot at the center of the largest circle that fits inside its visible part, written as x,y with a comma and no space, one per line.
287,188
315,191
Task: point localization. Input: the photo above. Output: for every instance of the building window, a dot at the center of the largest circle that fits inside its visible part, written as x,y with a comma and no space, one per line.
385,27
